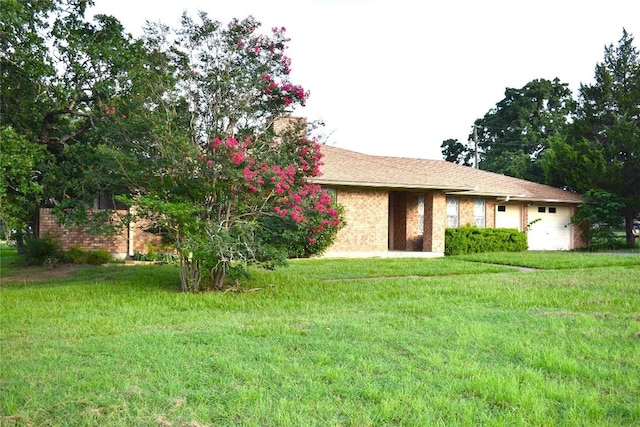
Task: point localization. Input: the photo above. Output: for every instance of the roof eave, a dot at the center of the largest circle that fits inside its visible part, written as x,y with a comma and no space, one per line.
388,185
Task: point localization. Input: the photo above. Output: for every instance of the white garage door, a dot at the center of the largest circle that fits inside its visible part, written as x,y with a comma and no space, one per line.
551,230
508,216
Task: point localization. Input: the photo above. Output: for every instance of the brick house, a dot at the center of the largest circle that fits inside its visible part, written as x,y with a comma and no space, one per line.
399,206
132,239
395,205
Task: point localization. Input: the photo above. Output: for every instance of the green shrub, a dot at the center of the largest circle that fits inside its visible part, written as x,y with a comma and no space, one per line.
77,255
97,257
38,251
466,240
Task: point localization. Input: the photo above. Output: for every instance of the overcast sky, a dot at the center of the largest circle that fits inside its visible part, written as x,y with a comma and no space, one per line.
398,77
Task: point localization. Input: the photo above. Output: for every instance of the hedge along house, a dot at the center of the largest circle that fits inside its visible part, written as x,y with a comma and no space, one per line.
395,205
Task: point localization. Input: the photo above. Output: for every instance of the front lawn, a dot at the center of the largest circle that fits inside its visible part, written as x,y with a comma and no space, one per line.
329,343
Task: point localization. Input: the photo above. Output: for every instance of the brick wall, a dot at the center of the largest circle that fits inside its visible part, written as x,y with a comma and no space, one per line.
435,221
117,245
414,240
367,221
466,211
579,232
490,213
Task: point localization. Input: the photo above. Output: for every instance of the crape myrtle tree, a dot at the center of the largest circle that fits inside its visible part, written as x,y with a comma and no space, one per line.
601,153
231,189
513,136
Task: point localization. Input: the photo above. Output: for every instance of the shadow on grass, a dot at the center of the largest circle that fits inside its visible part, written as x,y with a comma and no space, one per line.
163,277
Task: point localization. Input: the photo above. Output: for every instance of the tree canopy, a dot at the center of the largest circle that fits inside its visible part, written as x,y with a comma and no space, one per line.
513,135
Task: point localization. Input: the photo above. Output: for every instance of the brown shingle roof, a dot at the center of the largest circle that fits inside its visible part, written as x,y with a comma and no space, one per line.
349,168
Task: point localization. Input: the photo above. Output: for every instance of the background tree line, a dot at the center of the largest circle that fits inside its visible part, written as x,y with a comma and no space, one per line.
590,144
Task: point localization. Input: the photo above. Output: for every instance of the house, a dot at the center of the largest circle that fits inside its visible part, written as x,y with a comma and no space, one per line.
395,205
133,238
399,206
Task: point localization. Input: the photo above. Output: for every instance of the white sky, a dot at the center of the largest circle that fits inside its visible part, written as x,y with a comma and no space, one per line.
399,77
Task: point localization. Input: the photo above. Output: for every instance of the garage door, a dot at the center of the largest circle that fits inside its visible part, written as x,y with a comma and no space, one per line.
508,216
551,230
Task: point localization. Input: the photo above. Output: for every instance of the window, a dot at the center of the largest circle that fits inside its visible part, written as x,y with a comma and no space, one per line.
541,209
421,215
479,210
552,210
453,203
502,208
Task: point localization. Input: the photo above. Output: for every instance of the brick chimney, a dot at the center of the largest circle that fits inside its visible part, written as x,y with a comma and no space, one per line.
281,124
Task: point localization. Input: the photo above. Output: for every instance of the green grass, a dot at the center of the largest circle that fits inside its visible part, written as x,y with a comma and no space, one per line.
8,260
330,343
556,260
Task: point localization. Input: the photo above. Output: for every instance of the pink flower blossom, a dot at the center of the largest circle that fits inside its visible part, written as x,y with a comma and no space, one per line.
237,158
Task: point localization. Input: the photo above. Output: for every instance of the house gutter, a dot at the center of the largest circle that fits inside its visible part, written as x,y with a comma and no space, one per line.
531,199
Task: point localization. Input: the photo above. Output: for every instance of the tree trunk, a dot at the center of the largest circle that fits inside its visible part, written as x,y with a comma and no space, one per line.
190,275
19,237
628,230
218,274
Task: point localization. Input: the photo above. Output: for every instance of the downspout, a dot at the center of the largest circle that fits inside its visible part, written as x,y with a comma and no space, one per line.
131,229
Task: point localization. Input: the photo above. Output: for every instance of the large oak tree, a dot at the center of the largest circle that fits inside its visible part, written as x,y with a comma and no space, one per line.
513,135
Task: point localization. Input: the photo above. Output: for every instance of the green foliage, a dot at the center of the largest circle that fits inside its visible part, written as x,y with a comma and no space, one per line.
601,213
456,152
20,173
77,255
291,239
513,136
39,251
601,150
47,251
466,240
61,80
